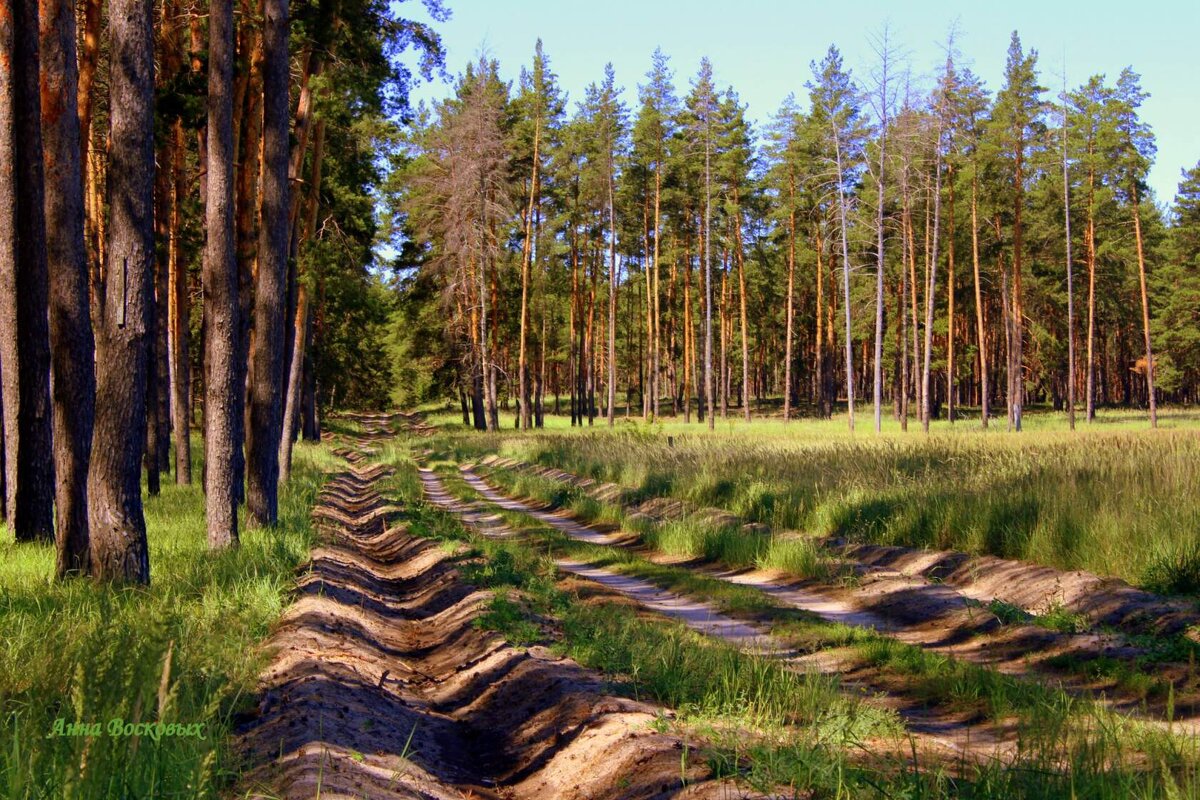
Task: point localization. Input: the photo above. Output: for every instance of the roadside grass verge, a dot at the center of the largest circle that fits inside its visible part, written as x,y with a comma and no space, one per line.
180,651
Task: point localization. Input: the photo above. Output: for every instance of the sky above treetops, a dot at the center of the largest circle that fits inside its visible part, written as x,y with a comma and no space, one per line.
763,48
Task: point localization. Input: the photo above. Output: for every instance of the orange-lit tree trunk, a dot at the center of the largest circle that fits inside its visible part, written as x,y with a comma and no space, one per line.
24,286
74,385
1141,256
267,381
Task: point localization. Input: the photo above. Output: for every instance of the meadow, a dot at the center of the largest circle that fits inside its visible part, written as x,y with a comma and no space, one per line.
1111,497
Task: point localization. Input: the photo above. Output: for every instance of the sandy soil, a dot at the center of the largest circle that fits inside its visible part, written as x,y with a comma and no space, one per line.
381,686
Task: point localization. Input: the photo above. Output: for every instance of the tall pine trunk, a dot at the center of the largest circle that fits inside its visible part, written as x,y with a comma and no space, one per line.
1141,256
302,321
526,261
24,282
1018,321
1090,245
879,263
950,289
74,385
741,264
267,380
1070,271
221,311
931,287
845,281
980,332
612,299
118,526
791,301
180,324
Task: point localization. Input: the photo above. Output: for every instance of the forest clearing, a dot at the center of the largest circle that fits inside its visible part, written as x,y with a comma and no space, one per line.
389,410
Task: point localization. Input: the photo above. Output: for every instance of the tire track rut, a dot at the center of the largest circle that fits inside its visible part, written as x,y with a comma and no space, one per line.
381,686
935,732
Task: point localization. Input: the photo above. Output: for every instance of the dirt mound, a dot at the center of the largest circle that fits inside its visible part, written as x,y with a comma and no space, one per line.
1034,588
381,686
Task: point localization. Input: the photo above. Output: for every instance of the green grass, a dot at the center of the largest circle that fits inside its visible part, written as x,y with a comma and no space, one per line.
1069,748
1113,498
693,536
180,651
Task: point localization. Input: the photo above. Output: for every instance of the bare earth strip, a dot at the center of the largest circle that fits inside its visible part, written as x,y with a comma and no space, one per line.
381,686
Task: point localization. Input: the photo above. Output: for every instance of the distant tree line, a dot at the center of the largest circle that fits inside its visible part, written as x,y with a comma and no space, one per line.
923,250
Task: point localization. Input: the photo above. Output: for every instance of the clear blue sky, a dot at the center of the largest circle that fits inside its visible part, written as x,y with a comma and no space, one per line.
763,47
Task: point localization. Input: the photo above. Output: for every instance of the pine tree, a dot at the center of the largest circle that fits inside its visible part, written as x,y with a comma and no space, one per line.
837,115
785,177
220,289
652,131
1015,128
735,164
117,524
266,378
24,331
70,318
1135,154
699,128
539,108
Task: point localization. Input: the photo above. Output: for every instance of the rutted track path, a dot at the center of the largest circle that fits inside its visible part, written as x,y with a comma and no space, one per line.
696,615
933,731
928,615
380,686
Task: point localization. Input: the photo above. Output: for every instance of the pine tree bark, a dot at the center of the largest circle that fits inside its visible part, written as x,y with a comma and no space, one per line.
267,380
741,264
180,327
1070,277
879,263
980,331
302,321
931,286
791,301
221,311
612,300
248,101
1090,245
74,385
1141,257
950,289
845,282
24,282
819,343
1018,312
526,261
118,527
656,337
